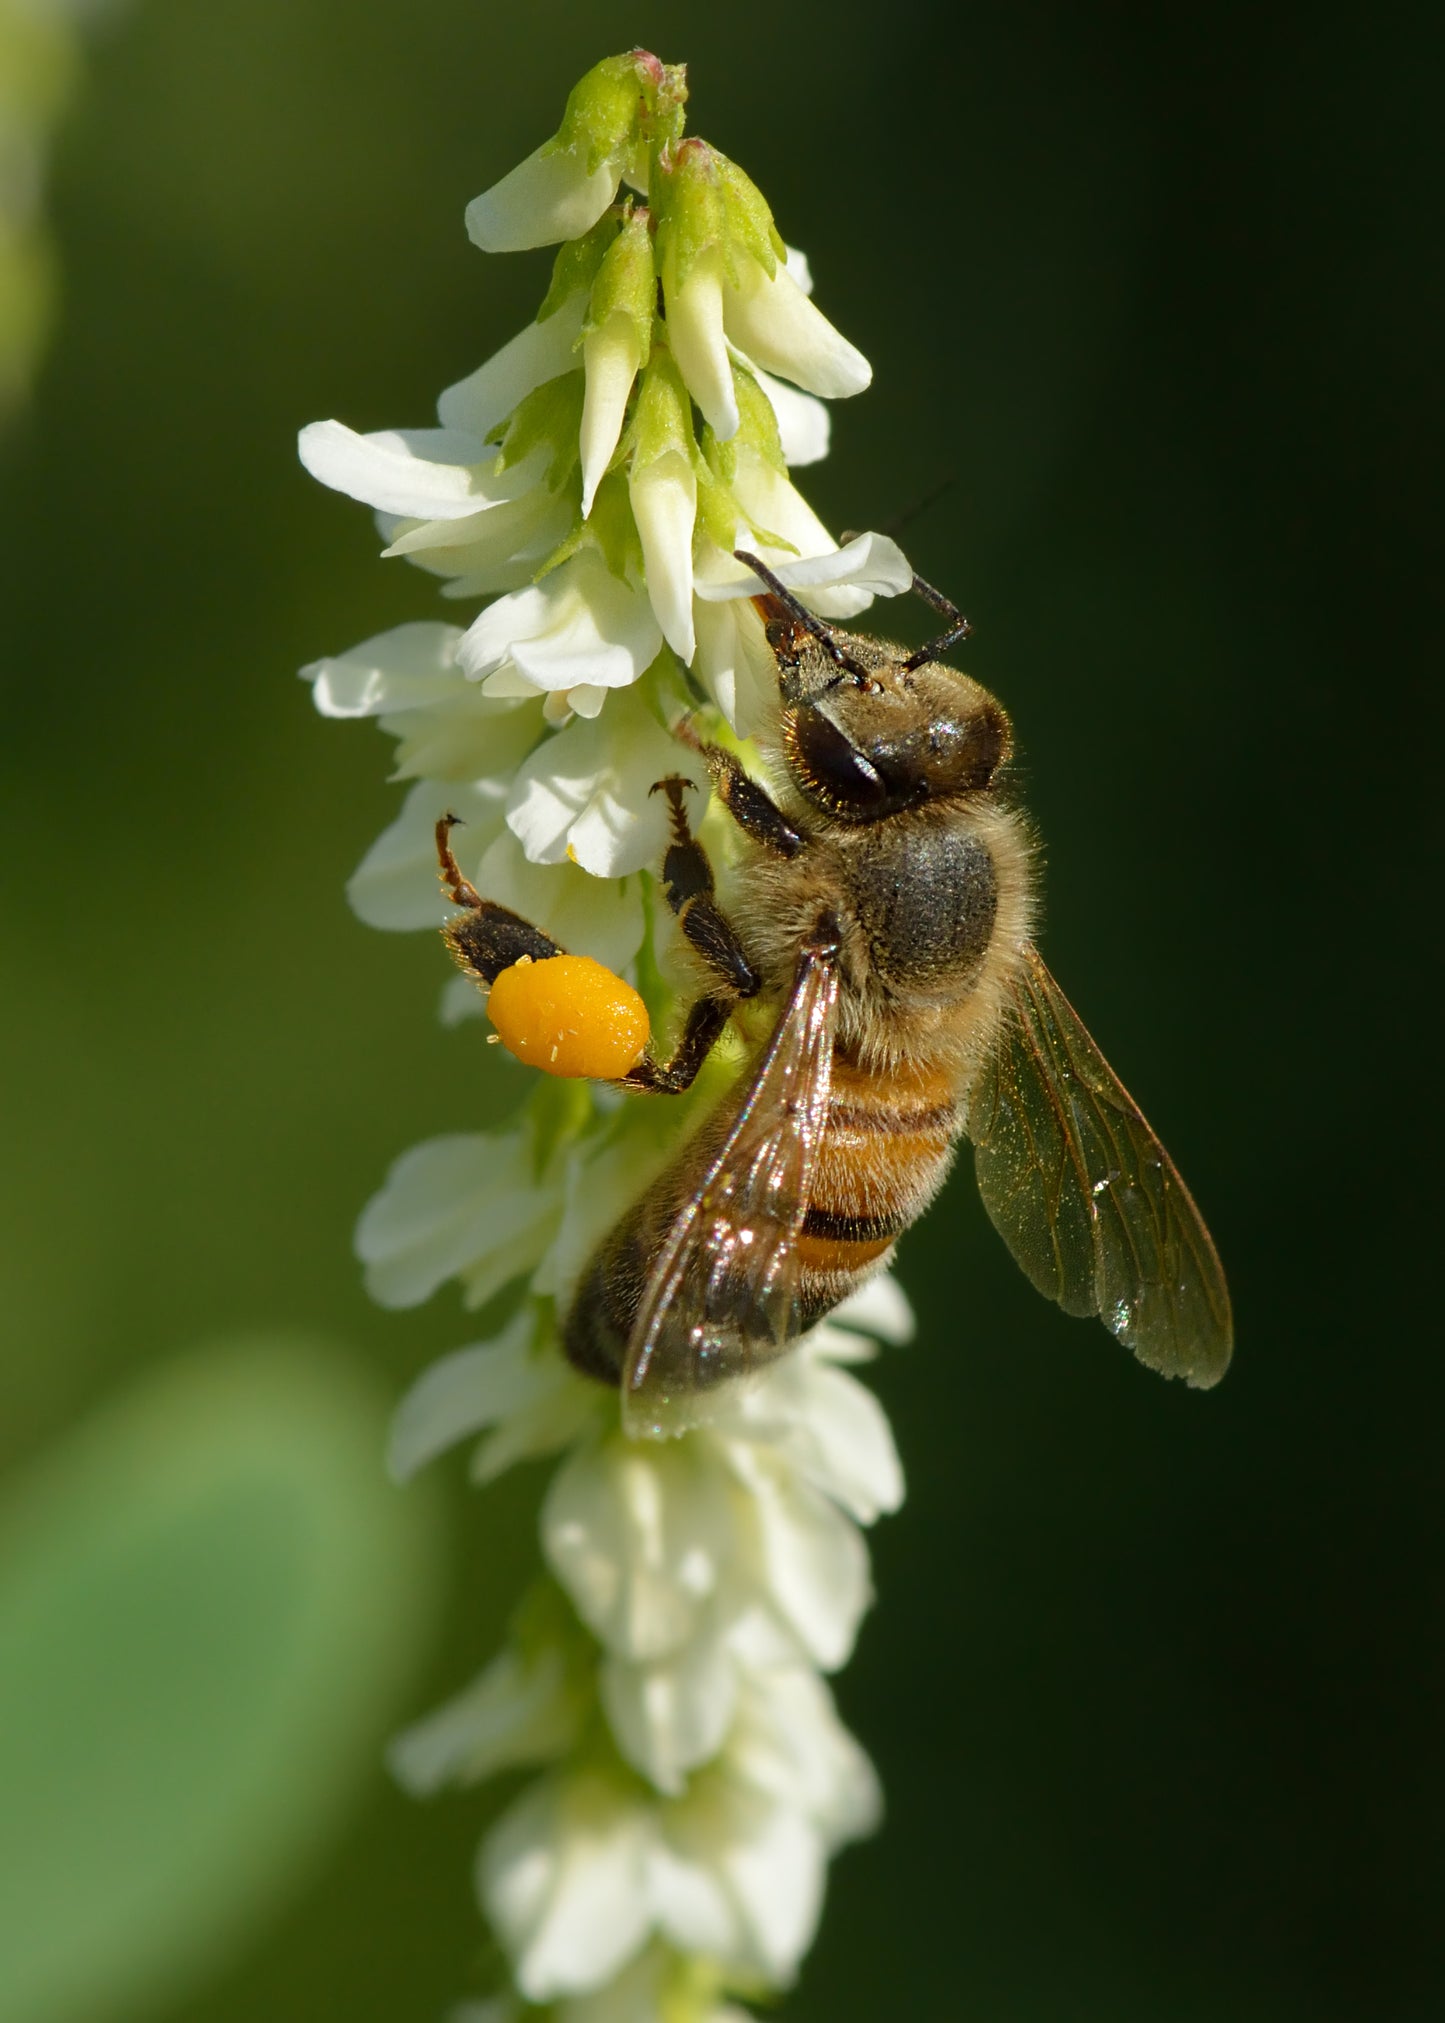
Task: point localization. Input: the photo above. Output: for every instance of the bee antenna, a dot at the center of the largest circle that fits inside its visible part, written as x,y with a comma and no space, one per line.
804,616
958,626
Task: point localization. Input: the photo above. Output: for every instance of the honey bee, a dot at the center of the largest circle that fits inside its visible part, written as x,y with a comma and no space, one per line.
885,908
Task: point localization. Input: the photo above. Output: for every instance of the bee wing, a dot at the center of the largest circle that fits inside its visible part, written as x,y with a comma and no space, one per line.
722,1298
1085,1196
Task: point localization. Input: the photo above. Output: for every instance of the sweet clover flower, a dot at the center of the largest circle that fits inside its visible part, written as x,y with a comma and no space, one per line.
664,1680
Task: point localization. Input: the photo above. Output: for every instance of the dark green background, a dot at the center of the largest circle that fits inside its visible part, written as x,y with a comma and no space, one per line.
1155,1681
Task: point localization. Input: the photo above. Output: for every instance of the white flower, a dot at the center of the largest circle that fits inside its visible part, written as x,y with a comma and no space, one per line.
579,629
521,1711
468,1206
395,884
586,792
664,505
733,659
771,319
699,341
552,195
805,426
541,352
586,916
611,357
661,1680
420,473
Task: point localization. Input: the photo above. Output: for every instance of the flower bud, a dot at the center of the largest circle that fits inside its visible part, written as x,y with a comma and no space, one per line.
663,491
617,338
562,189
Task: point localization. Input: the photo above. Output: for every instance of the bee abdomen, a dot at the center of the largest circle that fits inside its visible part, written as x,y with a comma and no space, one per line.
886,1148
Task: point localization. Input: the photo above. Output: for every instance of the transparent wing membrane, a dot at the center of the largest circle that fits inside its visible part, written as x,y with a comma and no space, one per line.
722,1298
1086,1197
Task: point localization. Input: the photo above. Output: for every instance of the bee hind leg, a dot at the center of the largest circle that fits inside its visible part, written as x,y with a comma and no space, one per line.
486,938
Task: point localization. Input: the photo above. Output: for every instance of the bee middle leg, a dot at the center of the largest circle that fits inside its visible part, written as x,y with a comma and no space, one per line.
687,883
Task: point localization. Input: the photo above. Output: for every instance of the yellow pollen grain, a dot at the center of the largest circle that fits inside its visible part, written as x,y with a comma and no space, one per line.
569,1015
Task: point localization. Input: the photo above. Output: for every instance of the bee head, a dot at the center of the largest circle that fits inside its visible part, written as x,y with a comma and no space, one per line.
876,734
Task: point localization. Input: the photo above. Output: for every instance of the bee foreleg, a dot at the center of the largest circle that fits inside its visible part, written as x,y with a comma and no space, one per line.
750,806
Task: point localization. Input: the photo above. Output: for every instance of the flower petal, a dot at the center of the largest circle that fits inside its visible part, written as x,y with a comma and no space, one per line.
517,1712
810,1557
536,354
424,474
879,1307
587,793
699,345
828,1428
671,1714
581,624
664,505
638,1537
602,918
805,426
850,577
459,1394
401,669
395,884
789,1744
773,321
562,1877
735,663
464,1206
549,197
610,356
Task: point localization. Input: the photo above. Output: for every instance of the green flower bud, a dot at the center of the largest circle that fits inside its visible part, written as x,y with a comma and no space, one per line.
626,281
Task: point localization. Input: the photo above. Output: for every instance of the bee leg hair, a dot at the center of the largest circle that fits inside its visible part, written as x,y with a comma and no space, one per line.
704,1027
487,938
750,806
688,884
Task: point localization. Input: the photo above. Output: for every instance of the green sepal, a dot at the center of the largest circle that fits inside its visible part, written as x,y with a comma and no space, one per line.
626,282
662,423
717,510
601,116
609,528
624,110
613,529
551,415
704,203
578,261
750,220
757,423
687,198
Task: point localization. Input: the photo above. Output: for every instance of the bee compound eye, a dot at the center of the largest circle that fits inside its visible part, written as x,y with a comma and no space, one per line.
569,1015
831,768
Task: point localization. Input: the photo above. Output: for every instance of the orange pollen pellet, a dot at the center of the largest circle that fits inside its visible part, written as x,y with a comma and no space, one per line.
568,1015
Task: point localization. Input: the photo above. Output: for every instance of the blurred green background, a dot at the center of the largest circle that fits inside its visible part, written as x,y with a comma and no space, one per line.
1155,1680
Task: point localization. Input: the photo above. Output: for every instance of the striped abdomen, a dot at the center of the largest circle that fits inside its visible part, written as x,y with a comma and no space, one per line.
885,1153
885,1150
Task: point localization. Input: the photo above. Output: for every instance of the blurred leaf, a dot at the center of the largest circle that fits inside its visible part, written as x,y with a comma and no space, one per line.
210,1601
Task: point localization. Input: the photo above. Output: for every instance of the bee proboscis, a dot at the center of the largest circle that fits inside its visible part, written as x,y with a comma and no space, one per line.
887,911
